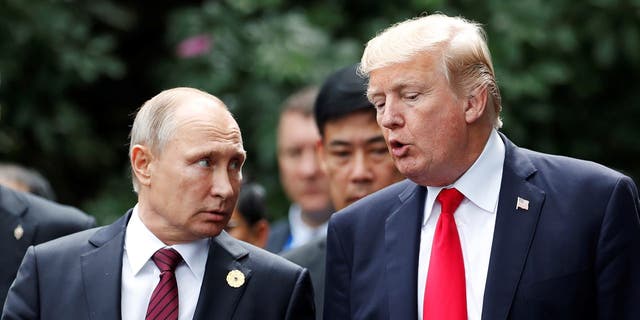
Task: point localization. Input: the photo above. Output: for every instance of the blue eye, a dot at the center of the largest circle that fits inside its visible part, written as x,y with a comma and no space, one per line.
205,163
234,165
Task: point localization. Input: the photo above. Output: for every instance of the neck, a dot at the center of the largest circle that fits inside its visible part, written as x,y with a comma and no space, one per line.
316,218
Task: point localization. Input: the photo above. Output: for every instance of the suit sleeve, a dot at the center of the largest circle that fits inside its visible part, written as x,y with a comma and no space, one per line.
618,255
338,279
301,305
22,300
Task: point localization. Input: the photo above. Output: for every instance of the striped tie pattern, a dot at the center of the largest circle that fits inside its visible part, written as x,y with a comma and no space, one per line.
164,299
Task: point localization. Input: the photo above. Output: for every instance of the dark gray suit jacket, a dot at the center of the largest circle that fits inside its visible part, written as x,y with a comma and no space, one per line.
279,235
79,277
573,254
312,256
27,220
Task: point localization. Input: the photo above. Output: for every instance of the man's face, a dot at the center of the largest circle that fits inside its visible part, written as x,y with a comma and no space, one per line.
300,174
423,121
193,184
239,228
355,158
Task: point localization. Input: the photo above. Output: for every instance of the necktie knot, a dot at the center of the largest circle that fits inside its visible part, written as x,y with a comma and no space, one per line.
166,259
449,199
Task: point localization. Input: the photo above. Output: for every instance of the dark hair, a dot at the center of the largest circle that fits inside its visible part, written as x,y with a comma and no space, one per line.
32,179
342,93
251,202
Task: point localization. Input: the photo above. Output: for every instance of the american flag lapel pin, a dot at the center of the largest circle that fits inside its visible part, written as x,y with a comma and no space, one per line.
522,204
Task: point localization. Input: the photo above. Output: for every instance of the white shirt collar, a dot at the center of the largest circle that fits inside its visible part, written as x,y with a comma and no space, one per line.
481,183
140,244
300,231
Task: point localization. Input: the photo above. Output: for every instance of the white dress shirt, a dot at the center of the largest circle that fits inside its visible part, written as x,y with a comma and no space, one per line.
301,232
475,219
140,274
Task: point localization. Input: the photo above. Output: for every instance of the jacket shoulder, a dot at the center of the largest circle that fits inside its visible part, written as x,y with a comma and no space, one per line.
55,214
377,205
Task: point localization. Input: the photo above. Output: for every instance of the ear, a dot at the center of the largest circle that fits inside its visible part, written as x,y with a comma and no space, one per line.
476,104
321,155
141,158
261,232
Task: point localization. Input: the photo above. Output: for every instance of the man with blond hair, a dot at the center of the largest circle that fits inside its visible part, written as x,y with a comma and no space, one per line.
168,257
482,229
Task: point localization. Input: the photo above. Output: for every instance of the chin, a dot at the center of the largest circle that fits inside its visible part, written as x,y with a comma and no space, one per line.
209,231
315,207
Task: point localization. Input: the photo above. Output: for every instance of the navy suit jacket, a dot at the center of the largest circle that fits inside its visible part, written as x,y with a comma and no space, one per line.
27,220
574,254
79,277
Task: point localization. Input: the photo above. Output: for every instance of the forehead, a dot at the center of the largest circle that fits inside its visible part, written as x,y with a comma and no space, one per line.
421,69
297,128
199,122
358,126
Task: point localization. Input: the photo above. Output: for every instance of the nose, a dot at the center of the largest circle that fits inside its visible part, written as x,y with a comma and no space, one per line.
390,116
222,185
308,165
360,170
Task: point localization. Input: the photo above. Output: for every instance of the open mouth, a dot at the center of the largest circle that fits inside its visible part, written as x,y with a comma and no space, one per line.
397,148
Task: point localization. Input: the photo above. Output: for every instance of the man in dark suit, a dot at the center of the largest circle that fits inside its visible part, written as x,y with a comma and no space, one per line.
29,220
168,255
482,229
25,179
352,154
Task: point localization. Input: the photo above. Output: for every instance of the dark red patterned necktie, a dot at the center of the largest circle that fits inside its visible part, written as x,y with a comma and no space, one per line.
445,293
164,299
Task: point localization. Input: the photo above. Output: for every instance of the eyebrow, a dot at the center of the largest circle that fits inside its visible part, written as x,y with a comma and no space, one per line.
342,143
371,95
375,139
395,87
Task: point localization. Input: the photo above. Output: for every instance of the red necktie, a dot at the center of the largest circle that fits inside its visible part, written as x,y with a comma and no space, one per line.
164,299
445,293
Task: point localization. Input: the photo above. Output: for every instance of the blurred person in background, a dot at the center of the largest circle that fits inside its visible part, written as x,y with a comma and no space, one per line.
168,257
27,220
303,181
25,179
353,155
249,220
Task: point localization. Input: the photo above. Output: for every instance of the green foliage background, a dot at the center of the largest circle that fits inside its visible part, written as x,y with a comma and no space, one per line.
73,72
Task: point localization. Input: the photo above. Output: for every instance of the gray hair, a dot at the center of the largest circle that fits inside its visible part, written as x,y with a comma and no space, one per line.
301,101
462,45
35,182
155,123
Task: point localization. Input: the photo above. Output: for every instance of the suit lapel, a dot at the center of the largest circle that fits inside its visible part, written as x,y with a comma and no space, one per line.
18,232
218,299
514,231
102,271
402,242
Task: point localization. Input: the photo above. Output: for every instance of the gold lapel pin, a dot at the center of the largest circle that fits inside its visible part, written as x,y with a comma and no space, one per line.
522,204
18,232
235,278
